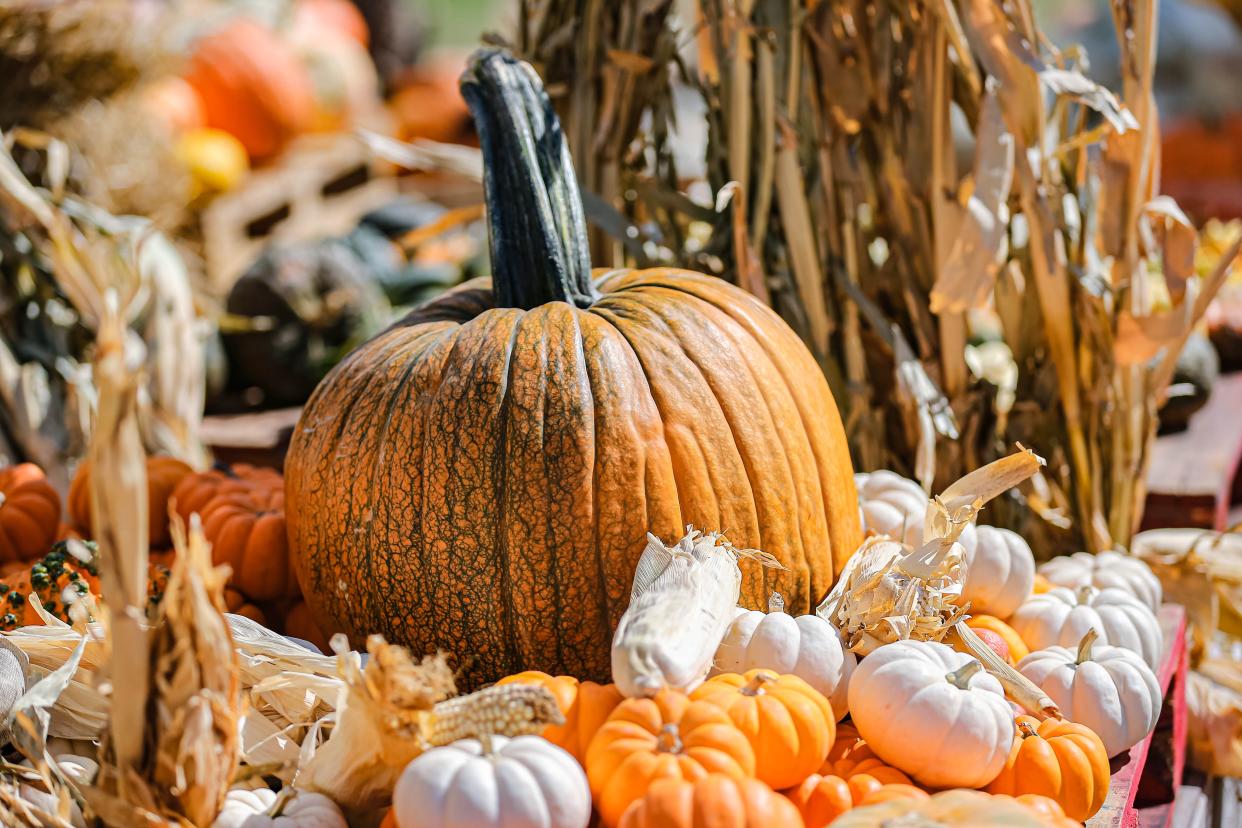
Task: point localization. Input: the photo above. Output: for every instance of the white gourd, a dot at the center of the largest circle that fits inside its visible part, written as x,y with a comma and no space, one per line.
932,712
1000,572
526,781
1109,689
1107,569
682,602
291,808
807,646
896,506
1061,617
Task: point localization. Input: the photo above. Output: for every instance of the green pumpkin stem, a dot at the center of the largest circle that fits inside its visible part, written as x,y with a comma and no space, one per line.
536,224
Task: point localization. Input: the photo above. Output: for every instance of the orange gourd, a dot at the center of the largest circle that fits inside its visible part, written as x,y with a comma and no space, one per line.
68,570
585,705
1058,759
237,604
480,477
29,513
300,624
664,736
1017,647
163,475
716,801
821,799
252,85
790,725
243,514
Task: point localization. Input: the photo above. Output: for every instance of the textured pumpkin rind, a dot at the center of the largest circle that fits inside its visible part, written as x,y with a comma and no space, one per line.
481,480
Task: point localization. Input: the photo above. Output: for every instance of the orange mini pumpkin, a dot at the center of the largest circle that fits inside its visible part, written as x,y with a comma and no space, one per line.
790,725
29,513
585,705
1058,759
717,801
664,736
821,799
237,604
163,475
851,756
1017,647
243,514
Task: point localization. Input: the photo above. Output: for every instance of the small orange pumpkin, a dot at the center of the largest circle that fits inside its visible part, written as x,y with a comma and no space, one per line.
299,623
247,532
666,735
1060,760
1017,647
195,491
585,705
29,513
790,725
717,800
163,475
1042,584
821,799
237,604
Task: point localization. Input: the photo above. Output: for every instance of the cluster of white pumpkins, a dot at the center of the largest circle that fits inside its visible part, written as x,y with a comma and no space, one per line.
1093,635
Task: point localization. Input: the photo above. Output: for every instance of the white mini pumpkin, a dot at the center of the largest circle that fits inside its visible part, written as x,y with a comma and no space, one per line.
526,781
1000,572
1109,689
932,712
897,506
1061,617
807,646
291,808
1107,569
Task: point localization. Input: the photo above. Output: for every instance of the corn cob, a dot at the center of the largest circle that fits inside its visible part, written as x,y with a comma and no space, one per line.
506,710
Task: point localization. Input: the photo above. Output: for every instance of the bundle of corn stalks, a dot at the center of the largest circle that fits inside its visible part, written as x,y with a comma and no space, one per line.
907,177
59,256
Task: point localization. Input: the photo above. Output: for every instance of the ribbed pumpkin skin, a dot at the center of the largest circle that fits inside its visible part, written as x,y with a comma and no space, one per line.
481,480
29,513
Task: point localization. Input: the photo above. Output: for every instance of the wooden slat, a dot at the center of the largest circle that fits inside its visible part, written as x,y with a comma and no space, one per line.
1118,810
1191,477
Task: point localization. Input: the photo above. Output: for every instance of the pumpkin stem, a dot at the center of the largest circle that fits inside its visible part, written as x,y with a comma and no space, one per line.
1025,730
776,603
754,686
1084,593
536,225
1084,646
960,678
278,807
485,744
669,740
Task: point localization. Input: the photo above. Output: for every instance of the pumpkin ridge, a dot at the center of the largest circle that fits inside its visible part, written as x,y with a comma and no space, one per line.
789,528
668,335
828,468
500,543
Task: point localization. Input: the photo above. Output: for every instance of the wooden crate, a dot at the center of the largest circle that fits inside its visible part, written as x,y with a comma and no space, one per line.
1193,476
260,438
320,187
1147,777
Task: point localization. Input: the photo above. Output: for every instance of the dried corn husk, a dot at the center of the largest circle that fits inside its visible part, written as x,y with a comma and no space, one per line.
681,603
890,592
377,727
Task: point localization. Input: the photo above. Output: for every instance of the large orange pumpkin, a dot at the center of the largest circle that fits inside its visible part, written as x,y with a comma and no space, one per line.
790,724
1058,759
163,475
716,801
585,705
663,736
480,478
29,513
252,85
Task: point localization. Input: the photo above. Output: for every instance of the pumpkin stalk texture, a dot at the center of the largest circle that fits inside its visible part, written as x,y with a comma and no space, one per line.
960,678
1084,646
535,219
480,478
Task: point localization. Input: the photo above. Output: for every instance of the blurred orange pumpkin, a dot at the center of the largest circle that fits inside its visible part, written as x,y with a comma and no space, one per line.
163,475
29,513
252,85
